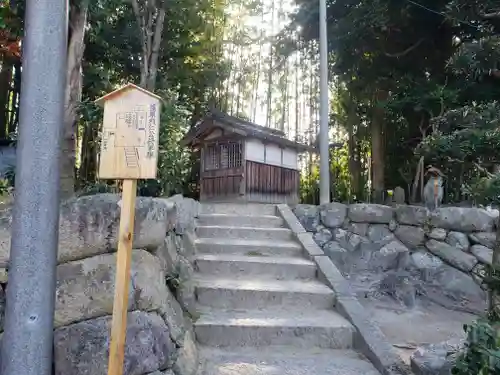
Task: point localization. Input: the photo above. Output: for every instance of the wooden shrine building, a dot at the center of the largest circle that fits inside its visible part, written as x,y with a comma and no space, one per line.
242,161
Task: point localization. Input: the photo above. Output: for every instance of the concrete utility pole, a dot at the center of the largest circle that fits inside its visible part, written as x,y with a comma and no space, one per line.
28,338
324,167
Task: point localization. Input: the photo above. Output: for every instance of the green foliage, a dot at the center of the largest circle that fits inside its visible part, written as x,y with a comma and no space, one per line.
100,187
5,187
481,354
482,351
309,186
189,65
340,180
477,59
465,144
484,190
173,160
468,134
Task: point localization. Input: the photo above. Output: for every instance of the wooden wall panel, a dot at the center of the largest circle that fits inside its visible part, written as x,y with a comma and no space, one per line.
268,179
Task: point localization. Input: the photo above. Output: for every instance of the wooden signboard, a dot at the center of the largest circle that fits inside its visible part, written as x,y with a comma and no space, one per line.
129,151
129,143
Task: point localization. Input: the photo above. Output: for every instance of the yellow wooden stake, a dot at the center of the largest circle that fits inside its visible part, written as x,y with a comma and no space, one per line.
129,151
123,261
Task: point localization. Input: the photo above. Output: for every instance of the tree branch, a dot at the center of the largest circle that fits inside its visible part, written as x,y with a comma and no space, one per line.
490,15
406,51
481,169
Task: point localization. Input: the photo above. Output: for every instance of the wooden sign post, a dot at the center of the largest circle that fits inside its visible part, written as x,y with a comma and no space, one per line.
129,151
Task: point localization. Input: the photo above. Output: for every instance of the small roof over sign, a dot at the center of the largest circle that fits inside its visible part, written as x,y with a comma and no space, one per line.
122,90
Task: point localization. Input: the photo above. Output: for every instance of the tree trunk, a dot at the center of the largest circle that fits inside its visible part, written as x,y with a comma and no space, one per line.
5,86
88,166
155,51
151,21
76,46
259,65
269,109
377,132
354,164
296,96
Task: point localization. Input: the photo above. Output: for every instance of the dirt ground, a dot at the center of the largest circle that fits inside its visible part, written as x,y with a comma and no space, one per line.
407,328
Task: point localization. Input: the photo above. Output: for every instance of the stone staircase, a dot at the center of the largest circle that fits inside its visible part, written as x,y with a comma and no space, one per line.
262,310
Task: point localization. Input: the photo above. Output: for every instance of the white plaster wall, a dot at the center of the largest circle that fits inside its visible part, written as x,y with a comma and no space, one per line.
254,150
290,158
271,154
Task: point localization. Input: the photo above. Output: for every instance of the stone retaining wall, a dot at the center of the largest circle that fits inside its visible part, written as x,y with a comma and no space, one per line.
160,338
406,250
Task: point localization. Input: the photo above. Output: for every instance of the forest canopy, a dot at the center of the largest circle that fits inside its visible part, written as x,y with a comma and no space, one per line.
412,84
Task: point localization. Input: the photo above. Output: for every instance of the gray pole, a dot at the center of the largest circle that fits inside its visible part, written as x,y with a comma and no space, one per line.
324,160
28,338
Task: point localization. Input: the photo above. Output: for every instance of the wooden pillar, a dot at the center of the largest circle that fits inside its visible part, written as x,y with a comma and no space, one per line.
243,182
202,169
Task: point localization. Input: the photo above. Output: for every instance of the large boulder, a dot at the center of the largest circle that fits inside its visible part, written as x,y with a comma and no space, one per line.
459,240
322,236
443,282
460,286
186,210
370,213
411,236
308,216
463,219
85,290
333,214
89,226
187,360
176,257
185,288
428,265
435,359
484,238
391,256
482,253
380,235
83,348
438,234
356,228
452,255
411,215
348,240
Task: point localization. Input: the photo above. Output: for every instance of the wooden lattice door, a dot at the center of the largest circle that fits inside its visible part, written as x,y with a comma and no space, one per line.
222,173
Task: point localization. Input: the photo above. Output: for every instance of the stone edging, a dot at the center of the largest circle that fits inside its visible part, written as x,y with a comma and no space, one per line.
370,340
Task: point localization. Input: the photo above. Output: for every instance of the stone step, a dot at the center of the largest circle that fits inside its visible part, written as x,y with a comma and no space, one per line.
275,326
279,360
256,209
258,293
241,266
270,234
248,247
264,221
